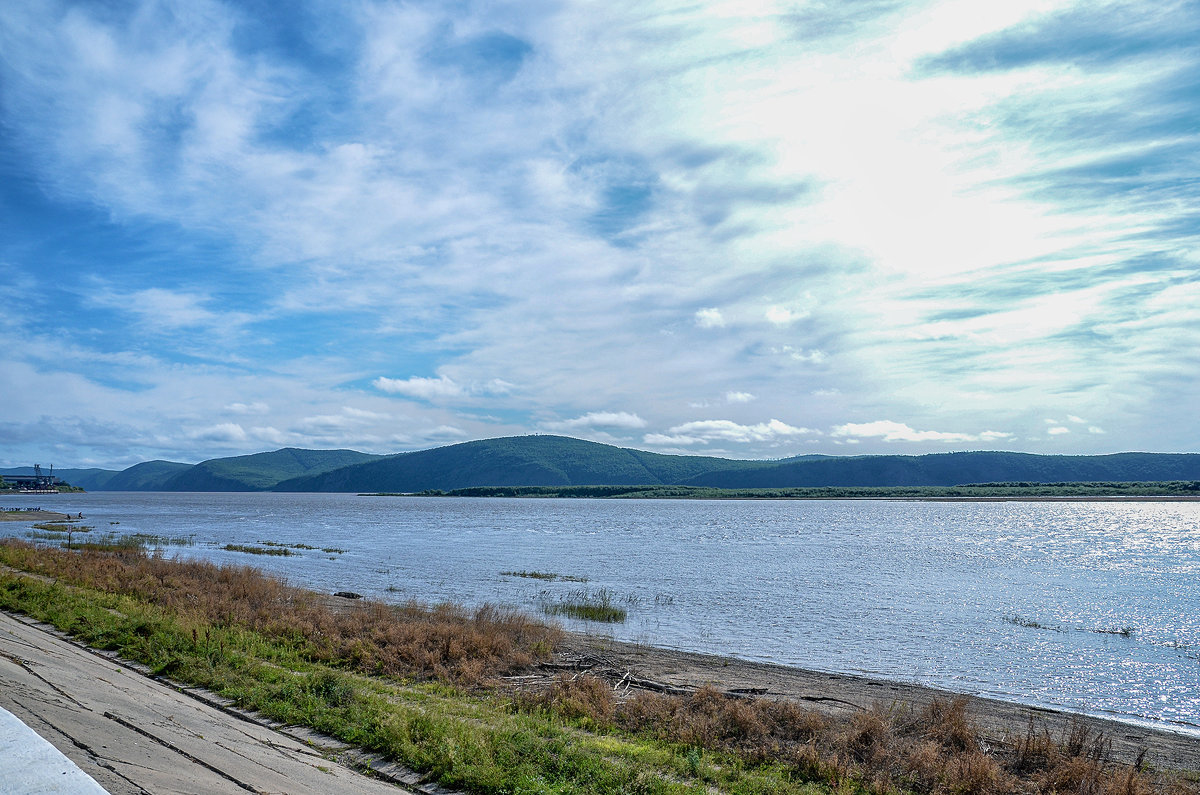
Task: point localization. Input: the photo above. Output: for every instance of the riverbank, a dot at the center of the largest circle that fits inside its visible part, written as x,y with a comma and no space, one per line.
999,723
493,701
100,711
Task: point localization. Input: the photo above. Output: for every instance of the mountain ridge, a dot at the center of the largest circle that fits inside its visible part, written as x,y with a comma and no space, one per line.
548,460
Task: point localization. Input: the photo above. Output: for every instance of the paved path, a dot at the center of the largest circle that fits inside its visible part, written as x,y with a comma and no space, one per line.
133,734
32,766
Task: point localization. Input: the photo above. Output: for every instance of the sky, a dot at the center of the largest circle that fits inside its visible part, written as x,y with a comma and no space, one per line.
750,229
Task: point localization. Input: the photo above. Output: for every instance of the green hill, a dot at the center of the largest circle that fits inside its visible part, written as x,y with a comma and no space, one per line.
515,461
560,461
147,476
260,471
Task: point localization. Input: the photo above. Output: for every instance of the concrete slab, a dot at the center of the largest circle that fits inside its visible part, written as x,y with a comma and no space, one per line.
134,735
32,766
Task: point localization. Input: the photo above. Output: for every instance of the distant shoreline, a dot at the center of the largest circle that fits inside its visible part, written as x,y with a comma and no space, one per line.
1169,491
33,516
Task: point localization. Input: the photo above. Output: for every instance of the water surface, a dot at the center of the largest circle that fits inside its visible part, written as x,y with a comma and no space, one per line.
1091,607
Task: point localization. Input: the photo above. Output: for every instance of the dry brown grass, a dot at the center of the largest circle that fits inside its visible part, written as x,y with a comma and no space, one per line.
935,750
467,647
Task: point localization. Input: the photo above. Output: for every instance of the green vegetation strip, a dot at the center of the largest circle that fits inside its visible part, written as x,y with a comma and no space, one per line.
972,491
478,742
424,686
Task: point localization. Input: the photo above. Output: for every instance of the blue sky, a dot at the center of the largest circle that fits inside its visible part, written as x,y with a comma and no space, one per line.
754,229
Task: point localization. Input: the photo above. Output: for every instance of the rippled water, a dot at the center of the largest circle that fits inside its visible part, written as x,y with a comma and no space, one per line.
1092,607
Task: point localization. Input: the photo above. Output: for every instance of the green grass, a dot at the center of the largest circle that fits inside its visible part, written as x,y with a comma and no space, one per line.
253,550
475,742
599,606
974,491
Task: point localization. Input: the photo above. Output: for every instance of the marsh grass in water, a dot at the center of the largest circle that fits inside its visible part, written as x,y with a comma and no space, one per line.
1029,623
599,605
249,549
1124,632
543,575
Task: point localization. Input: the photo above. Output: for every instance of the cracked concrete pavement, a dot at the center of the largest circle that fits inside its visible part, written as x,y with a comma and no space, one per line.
133,734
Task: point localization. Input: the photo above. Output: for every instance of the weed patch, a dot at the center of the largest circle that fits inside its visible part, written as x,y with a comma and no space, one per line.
586,605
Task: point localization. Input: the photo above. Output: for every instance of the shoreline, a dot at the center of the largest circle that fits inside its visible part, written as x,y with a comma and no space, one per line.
75,703
841,694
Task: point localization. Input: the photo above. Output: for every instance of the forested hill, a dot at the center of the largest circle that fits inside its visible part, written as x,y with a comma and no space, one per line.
256,472
562,461
518,461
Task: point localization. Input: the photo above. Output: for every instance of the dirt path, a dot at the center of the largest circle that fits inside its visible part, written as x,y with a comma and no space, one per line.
133,734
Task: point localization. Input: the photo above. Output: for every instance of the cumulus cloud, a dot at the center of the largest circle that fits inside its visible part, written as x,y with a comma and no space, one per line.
813,356
446,432
1058,430
599,420
739,397
440,388
419,387
221,432
707,431
709,317
890,431
248,408
782,316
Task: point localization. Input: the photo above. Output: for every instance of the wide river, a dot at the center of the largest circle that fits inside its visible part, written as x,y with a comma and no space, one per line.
1088,606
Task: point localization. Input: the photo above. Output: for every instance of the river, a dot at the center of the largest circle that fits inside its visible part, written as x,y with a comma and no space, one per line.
1092,607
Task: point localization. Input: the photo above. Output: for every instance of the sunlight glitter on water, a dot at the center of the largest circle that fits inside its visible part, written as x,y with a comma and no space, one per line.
1085,606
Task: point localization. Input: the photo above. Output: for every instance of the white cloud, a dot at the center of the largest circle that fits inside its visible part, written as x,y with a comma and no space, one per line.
446,432
709,317
739,397
1096,429
270,435
706,431
418,387
1058,430
813,356
221,432
1076,420
890,431
782,316
620,420
248,408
